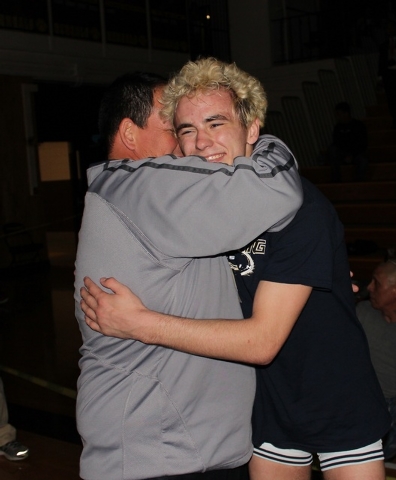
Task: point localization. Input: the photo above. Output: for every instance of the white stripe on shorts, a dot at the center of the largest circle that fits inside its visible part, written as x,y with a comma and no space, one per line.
288,456
370,453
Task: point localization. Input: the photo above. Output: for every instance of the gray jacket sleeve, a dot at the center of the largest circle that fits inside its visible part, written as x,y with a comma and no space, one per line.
187,207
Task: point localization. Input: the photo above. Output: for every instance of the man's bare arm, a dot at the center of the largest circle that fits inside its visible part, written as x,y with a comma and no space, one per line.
254,340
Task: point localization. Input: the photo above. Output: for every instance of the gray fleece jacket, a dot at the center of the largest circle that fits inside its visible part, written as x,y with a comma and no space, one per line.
159,225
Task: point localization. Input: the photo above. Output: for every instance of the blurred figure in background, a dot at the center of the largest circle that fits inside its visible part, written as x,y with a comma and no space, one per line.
378,318
349,143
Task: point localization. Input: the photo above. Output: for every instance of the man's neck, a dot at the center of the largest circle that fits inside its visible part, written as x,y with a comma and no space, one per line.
389,315
118,154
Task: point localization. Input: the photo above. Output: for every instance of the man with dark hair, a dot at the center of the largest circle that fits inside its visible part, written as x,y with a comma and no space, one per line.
349,143
129,118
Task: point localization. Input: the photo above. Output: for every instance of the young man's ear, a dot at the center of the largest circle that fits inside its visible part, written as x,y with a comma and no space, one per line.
253,132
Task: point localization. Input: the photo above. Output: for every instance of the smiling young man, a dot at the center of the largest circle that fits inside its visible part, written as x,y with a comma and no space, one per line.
208,125
158,225
317,392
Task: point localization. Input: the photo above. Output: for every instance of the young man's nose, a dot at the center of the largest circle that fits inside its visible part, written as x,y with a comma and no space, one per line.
202,140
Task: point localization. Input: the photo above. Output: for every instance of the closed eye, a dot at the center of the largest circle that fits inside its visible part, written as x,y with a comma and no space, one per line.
185,132
215,121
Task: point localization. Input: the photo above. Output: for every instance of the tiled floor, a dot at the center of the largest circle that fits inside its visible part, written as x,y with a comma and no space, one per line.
49,460
39,367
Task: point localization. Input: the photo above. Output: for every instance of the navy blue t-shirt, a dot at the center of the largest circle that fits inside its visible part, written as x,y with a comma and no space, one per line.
320,394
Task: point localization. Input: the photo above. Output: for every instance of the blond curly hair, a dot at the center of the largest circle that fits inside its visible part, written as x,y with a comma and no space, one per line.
250,101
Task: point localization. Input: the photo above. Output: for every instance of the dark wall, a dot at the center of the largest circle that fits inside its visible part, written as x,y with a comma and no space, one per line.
68,113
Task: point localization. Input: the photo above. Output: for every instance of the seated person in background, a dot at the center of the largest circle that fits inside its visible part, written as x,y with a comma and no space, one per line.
349,143
378,317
